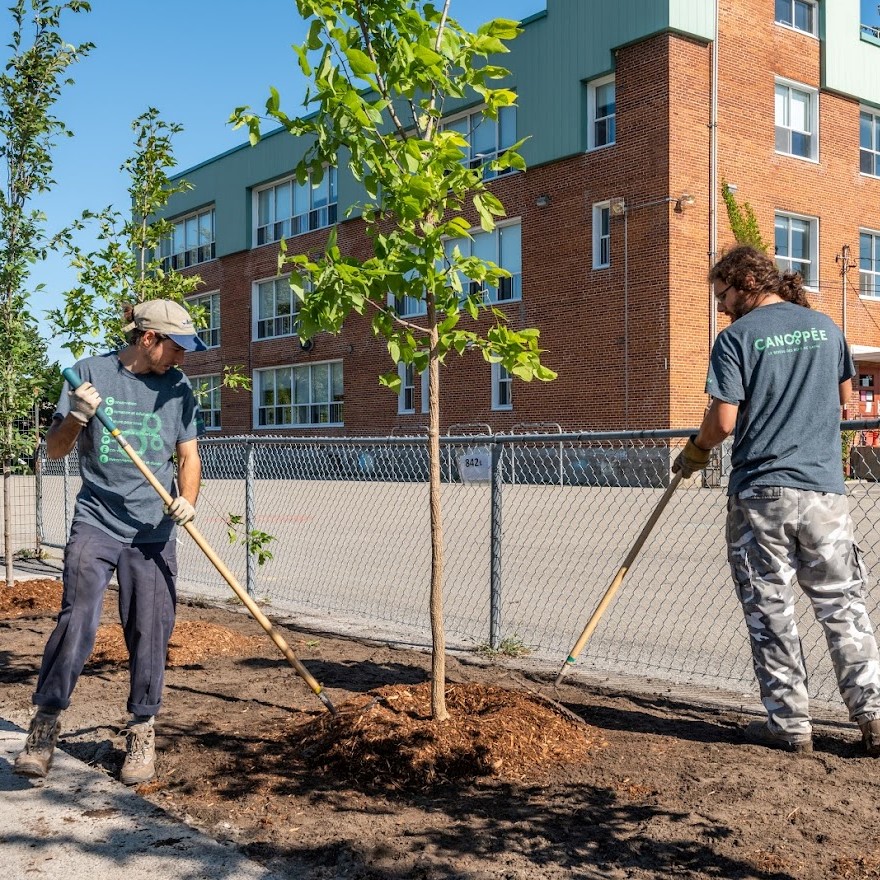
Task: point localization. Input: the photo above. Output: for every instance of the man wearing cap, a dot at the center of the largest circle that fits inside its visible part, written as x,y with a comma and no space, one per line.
121,525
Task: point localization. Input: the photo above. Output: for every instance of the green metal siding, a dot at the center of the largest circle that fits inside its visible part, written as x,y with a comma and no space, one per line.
550,62
850,64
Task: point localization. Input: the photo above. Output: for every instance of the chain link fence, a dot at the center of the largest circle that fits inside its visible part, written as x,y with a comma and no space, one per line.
535,528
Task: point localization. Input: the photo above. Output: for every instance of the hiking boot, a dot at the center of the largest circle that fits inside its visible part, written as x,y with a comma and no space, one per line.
36,757
758,732
140,754
871,737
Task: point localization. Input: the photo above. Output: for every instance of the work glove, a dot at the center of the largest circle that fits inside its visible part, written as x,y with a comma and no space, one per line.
84,402
691,459
180,510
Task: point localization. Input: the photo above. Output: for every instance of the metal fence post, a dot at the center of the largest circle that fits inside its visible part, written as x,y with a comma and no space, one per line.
495,550
249,519
38,492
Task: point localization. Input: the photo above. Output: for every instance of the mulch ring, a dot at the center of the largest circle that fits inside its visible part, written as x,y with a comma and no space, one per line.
191,642
387,738
36,596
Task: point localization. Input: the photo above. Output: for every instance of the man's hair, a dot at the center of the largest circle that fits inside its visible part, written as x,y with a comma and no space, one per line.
754,273
127,317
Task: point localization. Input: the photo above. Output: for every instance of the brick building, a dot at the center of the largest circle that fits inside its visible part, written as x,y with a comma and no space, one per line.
636,112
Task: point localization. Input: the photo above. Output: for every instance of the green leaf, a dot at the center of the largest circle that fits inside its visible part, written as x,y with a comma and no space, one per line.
361,63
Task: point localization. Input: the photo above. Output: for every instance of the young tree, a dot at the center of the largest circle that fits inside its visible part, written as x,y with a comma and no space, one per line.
30,85
127,267
382,72
743,222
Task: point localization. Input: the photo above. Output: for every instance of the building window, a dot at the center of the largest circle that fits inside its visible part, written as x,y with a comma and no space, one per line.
502,246
797,246
408,306
406,399
190,242
275,309
869,143
502,387
304,396
869,264
289,208
207,392
601,235
209,304
797,120
797,14
601,113
487,138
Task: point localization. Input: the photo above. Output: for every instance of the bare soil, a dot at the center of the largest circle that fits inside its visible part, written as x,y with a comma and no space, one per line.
608,784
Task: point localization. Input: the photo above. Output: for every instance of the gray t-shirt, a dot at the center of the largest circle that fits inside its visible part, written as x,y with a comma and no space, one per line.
782,365
154,413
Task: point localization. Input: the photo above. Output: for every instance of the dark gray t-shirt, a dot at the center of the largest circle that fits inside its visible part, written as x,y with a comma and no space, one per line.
154,413
782,365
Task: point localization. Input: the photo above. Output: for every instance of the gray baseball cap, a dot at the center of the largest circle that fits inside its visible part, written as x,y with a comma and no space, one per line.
168,318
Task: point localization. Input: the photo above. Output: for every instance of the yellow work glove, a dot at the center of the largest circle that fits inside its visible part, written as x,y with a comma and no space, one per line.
691,459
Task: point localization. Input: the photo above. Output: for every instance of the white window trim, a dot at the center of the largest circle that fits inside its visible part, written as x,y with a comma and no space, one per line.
255,310
790,27
181,220
813,92
814,242
402,409
496,382
195,300
219,378
592,85
876,275
598,207
474,230
291,179
255,399
875,115
425,399
484,159
420,312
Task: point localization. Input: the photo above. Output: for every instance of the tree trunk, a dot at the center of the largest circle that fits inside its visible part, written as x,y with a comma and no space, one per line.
438,633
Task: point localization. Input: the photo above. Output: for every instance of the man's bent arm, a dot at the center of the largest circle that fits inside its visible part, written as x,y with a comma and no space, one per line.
718,424
189,470
62,436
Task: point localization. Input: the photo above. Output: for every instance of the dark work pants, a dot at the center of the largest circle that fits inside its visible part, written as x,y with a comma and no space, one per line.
146,574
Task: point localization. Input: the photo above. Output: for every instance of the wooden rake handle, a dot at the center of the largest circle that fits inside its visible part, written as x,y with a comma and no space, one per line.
74,381
602,607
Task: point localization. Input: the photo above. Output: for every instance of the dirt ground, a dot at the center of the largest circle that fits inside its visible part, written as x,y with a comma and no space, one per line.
508,789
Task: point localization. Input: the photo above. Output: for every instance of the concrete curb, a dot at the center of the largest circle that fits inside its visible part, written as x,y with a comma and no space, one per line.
80,825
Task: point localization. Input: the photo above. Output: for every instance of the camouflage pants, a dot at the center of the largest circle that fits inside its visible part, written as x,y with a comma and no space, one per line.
774,535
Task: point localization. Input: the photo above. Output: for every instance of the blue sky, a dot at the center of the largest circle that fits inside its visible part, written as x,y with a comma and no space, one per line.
870,12
195,60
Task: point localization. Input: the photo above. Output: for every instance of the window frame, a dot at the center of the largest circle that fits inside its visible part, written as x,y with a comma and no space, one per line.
515,280
315,217
476,160
874,273
814,246
188,254
255,310
600,208
335,407
813,94
812,4
872,151
501,376
592,119
211,332
217,380
407,388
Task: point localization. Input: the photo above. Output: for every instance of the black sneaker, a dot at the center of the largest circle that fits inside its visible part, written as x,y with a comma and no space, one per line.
758,732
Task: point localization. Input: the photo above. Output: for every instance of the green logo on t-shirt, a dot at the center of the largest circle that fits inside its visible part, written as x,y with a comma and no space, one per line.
795,341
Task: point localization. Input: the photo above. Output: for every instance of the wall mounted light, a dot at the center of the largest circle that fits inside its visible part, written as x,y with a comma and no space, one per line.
685,200
617,206
542,201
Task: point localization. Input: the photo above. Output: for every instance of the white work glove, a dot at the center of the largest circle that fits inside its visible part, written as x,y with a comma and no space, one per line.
84,402
181,511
